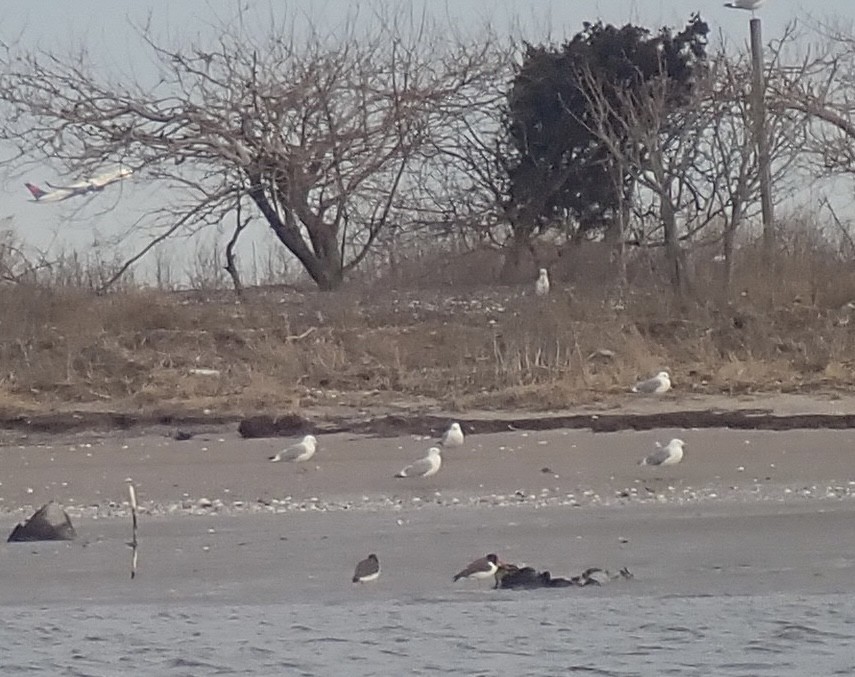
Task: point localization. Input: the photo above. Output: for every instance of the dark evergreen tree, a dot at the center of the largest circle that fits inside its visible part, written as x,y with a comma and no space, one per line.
557,171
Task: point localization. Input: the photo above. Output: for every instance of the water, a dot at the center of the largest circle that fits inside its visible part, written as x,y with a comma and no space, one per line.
478,633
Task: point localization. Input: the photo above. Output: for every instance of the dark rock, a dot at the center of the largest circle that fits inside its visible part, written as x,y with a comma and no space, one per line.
266,426
182,435
48,523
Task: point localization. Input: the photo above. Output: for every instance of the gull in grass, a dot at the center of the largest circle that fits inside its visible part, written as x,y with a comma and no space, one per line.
424,467
750,5
484,567
670,454
661,383
541,287
453,437
367,570
297,453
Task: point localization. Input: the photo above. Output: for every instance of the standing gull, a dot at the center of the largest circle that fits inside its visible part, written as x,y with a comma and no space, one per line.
424,467
297,453
661,383
541,287
367,570
453,437
485,567
671,454
745,4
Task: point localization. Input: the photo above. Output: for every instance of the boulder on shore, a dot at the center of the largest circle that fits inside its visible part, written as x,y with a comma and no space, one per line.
48,523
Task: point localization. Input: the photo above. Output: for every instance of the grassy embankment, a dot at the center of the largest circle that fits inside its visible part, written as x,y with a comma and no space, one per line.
463,347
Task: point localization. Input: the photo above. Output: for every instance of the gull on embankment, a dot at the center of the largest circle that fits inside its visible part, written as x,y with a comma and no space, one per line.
453,437
670,454
661,383
297,453
541,287
424,467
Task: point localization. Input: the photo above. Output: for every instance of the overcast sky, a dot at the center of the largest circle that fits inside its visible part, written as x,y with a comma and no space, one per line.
104,27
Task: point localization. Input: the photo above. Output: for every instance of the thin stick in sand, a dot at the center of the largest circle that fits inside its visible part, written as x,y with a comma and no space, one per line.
133,543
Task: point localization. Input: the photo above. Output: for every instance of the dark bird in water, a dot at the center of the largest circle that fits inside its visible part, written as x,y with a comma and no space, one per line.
367,570
485,567
510,576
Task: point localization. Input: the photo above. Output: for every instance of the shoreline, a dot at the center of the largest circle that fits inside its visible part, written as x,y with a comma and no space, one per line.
758,411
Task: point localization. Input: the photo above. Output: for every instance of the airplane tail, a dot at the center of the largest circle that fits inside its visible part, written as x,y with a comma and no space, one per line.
36,192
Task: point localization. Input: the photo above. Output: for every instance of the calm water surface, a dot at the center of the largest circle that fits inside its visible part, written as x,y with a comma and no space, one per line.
477,633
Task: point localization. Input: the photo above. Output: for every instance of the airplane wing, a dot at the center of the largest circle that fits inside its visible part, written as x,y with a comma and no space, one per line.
76,187
97,182
107,178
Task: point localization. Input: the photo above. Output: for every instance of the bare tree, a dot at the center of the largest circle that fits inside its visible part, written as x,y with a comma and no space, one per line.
317,132
821,86
694,166
728,162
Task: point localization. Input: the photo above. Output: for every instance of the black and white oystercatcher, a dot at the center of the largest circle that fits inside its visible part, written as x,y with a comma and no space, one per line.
367,570
485,567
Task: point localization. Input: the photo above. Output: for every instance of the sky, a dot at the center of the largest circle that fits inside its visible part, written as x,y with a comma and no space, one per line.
105,29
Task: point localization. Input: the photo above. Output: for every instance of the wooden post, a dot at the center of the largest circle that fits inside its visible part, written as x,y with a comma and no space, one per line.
758,108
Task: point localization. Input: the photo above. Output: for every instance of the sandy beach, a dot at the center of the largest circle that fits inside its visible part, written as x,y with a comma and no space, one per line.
246,564
217,471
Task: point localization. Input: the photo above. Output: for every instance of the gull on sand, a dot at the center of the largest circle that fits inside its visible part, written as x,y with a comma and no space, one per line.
453,437
367,570
541,287
297,453
671,454
661,383
424,467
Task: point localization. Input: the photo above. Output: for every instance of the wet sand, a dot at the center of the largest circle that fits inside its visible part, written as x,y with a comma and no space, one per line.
722,550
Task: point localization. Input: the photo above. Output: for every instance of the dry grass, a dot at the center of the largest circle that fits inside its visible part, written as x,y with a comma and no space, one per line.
462,344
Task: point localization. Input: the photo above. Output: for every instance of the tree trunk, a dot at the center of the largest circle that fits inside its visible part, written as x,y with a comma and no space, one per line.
515,253
324,264
668,217
672,246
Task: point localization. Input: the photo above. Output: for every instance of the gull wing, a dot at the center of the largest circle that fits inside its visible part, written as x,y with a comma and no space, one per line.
291,453
418,468
658,457
647,386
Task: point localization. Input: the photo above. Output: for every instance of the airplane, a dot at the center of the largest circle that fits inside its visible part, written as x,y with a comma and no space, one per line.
96,183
